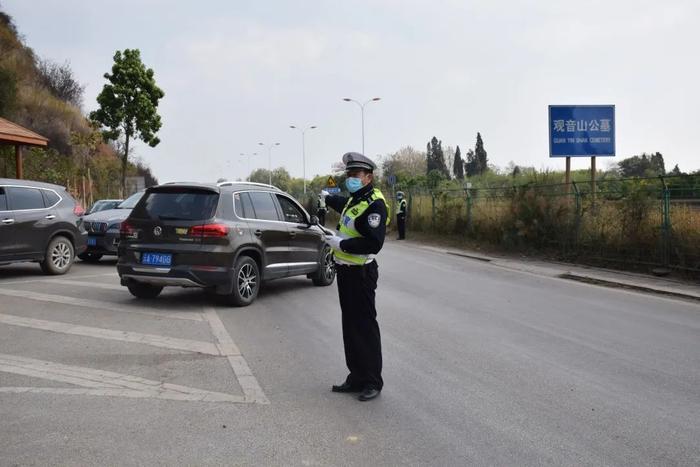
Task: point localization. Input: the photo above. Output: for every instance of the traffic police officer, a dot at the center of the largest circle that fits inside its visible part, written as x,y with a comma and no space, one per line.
362,227
401,214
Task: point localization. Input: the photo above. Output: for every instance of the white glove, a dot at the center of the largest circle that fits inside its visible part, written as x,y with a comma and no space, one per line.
334,241
323,194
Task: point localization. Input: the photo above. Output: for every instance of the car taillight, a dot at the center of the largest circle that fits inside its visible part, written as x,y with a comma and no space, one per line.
78,209
209,230
126,230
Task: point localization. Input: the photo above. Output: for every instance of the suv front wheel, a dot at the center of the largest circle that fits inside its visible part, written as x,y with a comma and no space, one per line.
246,282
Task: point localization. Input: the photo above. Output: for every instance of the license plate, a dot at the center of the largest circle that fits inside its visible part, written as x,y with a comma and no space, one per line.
157,259
92,241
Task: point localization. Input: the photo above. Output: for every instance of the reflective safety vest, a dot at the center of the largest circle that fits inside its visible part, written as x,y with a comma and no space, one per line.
346,227
401,206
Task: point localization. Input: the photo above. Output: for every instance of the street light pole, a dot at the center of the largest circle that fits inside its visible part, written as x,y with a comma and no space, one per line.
269,158
303,149
248,155
362,110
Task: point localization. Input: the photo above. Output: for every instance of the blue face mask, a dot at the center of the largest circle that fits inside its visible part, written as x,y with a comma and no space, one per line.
353,184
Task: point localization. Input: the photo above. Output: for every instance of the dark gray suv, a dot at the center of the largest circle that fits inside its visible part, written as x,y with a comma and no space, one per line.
40,222
226,238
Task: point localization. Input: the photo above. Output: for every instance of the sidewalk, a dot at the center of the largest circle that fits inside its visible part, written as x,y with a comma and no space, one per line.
592,275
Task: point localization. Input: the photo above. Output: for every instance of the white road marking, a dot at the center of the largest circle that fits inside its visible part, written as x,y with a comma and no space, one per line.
98,304
223,339
92,285
102,383
251,388
48,279
224,346
102,333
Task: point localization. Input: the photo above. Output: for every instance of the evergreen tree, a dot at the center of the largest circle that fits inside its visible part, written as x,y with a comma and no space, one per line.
656,163
646,165
436,158
458,166
470,166
482,161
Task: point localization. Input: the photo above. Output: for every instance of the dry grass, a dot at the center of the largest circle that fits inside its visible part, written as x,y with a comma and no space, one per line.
629,230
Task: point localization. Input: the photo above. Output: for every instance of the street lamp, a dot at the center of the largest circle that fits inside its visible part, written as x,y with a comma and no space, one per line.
269,157
362,109
303,149
249,154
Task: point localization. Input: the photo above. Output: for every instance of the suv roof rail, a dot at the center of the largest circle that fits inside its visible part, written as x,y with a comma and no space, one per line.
247,183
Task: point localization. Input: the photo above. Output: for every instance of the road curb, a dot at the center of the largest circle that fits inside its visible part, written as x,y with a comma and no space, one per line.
629,286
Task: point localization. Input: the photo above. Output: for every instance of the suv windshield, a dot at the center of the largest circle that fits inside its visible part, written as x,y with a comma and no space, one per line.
131,201
178,204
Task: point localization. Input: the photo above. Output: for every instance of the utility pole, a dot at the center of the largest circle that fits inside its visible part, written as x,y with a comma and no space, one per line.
362,110
269,158
303,149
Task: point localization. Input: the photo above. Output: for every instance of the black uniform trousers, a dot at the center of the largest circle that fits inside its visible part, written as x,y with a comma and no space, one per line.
401,225
363,346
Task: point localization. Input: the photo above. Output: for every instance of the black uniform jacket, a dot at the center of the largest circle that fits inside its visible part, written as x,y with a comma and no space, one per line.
372,238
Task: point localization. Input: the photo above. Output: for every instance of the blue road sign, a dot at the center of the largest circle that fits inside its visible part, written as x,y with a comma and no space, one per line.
581,130
391,179
333,190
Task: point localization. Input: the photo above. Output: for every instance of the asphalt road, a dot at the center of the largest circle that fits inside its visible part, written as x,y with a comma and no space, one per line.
483,366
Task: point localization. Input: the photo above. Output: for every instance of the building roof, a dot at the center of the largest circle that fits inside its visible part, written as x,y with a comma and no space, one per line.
12,133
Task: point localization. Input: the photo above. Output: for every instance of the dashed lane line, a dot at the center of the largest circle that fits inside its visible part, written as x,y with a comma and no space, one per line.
102,383
97,304
251,388
109,334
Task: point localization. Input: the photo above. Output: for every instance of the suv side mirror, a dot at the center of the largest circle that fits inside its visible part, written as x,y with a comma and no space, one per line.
314,220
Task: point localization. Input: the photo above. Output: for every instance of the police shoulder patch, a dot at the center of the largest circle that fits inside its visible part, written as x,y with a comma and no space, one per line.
374,220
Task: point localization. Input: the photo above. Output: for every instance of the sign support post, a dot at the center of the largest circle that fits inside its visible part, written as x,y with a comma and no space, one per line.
567,176
593,174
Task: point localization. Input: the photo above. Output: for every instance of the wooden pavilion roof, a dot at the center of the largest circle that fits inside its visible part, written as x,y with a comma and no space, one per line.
11,133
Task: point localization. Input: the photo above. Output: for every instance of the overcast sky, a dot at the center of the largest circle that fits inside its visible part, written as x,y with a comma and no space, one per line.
236,73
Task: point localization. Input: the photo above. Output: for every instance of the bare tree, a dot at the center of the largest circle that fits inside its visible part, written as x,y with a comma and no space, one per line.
59,79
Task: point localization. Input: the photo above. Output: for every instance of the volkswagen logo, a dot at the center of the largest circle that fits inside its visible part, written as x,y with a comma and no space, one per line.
157,231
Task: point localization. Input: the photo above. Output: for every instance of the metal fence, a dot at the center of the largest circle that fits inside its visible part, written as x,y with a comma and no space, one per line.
645,223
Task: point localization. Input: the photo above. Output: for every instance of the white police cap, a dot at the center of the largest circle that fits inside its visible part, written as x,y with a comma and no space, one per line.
355,160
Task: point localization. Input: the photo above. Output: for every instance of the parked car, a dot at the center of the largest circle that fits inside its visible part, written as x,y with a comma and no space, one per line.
225,238
103,229
40,222
103,205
